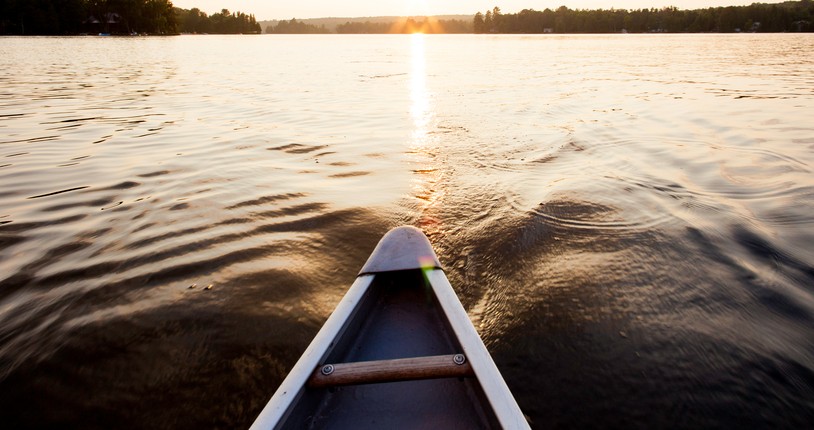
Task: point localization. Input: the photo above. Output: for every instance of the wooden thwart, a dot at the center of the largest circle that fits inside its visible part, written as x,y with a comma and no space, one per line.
402,369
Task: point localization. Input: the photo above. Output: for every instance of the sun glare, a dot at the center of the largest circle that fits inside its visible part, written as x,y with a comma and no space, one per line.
428,187
419,19
420,109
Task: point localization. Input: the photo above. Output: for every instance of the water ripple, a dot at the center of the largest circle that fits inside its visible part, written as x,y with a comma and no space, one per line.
627,213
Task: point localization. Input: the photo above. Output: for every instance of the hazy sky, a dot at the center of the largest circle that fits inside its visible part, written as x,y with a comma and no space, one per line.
267,9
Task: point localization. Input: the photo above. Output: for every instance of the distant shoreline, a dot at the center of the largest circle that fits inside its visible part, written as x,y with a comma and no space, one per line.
64,20
155,18
791,16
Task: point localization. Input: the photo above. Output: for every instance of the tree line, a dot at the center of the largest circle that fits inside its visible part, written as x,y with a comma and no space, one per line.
223,22
296,27
427,25
65,17
57,17
758,17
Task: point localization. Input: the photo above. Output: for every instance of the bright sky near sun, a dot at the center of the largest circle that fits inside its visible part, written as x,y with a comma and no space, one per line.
267,9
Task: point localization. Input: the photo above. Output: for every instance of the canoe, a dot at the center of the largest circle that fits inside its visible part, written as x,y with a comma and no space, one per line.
398,352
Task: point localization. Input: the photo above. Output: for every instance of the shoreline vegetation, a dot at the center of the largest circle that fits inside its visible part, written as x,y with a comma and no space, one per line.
116,17
160,17
790,16
379,25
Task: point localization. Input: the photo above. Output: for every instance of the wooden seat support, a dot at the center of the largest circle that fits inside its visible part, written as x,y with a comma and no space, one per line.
402,369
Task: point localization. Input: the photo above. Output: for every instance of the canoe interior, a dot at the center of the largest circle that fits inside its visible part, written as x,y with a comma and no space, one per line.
399,317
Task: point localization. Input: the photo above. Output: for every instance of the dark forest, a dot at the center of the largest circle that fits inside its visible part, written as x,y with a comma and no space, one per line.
71,17
758,17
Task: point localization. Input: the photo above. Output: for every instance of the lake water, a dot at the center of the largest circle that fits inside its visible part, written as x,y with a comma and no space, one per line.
628,219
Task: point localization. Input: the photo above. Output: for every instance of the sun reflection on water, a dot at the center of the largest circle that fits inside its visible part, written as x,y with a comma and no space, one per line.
427,186
419,96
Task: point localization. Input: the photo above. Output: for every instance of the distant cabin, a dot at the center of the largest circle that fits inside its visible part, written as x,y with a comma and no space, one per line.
108,22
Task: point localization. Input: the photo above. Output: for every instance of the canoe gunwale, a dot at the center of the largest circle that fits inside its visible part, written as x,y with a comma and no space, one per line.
292,388
404,249
497,392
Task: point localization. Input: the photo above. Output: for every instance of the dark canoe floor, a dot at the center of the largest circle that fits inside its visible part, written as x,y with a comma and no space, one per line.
399,318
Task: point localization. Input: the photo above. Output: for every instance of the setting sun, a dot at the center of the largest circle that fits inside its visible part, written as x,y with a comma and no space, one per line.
358,8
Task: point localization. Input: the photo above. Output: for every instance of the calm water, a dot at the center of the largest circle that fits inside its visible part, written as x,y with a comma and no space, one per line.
629,220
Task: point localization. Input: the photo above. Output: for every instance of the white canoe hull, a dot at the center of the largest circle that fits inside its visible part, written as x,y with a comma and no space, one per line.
400,307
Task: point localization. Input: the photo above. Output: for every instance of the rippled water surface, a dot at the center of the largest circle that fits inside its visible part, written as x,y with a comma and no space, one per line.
629,220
